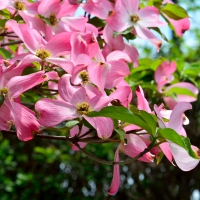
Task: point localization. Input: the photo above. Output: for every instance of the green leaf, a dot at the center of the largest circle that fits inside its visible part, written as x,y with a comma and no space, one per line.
174,11
157,3
128,30
2,22
161,34
6,54
71,124
5,13
97,22
121,113
121,134
173,136
183,91
149,120
1,100
159,158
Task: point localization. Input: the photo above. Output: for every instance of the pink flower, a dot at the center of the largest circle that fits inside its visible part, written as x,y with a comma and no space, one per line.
75,104
12,111
127,14
163,74
175,123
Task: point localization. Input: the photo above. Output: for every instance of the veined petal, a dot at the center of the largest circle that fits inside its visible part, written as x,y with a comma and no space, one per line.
176,117
19,84
5,116
52,112
182,158
62,62
48,7
118,55
134,146
59,44
166,150
131,6
72,94
142,103
103,125
24,120
98,74
145,33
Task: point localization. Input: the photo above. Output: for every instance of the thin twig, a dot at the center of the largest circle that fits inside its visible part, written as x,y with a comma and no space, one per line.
11,43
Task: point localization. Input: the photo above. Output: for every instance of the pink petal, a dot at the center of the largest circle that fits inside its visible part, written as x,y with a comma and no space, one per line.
119,18
103,125
59,44
118,55
47,7
145,33
119,70
72,94
149,17
19,84
123,95
61,62
114,187
131,6
134,146
5,117
52,112
98,74
142,103
166,150
176,117
182,158
25,121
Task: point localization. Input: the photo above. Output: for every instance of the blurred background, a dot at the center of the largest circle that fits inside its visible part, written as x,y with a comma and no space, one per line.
47,169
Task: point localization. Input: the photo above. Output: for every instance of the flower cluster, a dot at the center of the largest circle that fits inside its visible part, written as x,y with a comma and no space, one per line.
77,68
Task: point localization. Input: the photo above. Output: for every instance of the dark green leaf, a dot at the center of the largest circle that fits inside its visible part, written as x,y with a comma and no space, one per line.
128,30
121,134
161,34
6,54
149,120
97,22
121,113
1,99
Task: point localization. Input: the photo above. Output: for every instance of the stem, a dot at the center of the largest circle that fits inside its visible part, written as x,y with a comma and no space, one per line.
11,43
13,36
46,89
14,14
75,141
6,33
121,162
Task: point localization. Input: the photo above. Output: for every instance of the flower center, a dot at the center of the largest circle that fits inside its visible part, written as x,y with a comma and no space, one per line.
53,20
19,5
135,18
4,91
41,53
84,76
83,108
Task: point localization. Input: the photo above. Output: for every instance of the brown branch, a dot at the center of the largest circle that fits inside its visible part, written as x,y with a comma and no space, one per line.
11,43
